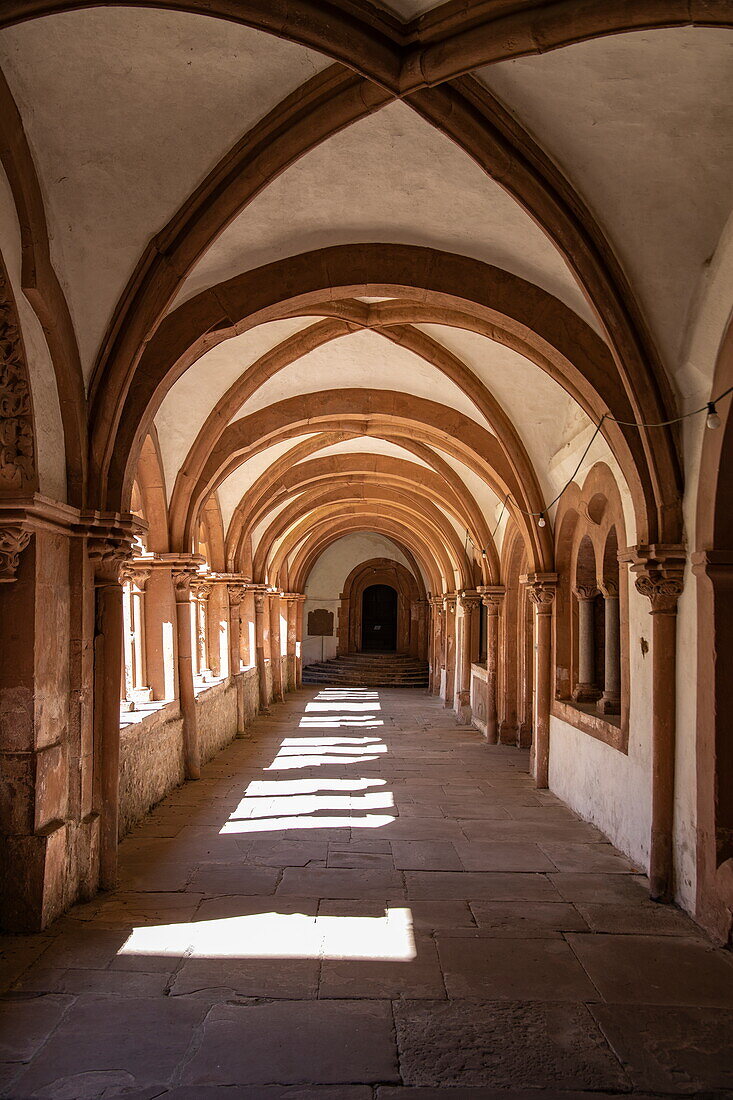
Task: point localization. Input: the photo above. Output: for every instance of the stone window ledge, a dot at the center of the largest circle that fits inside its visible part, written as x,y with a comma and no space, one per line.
608,728
479,671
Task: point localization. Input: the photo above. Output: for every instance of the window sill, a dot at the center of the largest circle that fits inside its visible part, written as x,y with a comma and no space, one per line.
609,728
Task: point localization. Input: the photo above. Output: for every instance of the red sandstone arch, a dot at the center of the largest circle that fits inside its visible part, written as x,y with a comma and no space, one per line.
354,469
427,521
42,288
410,590
384,270
300,344
151,481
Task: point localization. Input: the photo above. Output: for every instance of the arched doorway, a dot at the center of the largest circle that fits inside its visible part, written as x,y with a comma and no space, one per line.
379,619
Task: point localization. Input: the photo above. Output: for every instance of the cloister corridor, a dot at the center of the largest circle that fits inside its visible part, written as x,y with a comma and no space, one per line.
362,899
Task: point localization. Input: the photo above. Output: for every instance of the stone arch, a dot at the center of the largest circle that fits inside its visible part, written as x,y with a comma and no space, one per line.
410,590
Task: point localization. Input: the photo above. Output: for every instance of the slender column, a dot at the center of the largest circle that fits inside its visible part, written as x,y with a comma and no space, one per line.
659,577
449,607
201,590
469,602
292,614
299,601
276,649
492,598
586,690
135,673
262,634
541,592
610,701
235,591
182,575
436,614
108,556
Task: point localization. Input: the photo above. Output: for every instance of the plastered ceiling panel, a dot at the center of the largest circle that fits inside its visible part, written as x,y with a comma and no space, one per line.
643,125
126,111
390,177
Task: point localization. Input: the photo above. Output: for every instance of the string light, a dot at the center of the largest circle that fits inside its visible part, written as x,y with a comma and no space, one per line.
712,421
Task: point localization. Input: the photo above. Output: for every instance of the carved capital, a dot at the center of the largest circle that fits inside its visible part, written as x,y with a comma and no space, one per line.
469,601
109,554
449,604
585,591
659,574
17,460
13,541
436,602
201,588
136,573
492,597
260,596
182,575
236,593
609,590
541,588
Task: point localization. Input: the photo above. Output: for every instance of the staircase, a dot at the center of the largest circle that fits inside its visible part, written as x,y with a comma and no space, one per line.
369,670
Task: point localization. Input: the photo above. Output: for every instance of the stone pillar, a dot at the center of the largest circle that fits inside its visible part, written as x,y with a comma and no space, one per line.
183,574
586,690
541,592
299,601
262,644
276,662
201,589
492,597
235,593
469,603
659,576
610,701
136,573
436,615
449,608
292,614
108,555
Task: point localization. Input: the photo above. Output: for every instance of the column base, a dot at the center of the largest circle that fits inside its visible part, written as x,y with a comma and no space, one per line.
609,704
463,708
586,693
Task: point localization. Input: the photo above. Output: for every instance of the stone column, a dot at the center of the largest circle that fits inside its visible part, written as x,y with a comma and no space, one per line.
449,608
183,574
585,690
262,643
299,601
492,597
436,615
137,574
541,592
292,614
235,593
610,701
201,589
659,576
469,603
108,555
276,662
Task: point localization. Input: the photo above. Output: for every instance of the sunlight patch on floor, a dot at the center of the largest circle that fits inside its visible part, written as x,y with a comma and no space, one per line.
282,936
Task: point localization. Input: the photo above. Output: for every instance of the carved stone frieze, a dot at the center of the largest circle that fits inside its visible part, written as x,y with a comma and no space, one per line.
13,541
17,459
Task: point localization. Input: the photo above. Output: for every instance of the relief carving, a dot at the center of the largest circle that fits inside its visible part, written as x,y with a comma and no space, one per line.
17,465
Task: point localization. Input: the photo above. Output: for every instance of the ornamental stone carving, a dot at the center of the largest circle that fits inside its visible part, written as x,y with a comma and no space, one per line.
449,603
109,554
585,591
659,574
13,541
492,597
17,460
541,589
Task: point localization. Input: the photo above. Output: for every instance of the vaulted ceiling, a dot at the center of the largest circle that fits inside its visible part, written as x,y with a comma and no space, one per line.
385,272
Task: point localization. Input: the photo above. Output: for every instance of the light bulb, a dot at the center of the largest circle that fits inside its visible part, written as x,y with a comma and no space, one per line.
712,420
483,554
541,522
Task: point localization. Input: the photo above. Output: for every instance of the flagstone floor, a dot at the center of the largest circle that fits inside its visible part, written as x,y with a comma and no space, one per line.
364,901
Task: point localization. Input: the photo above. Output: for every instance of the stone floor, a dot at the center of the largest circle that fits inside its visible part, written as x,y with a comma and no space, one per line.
364,901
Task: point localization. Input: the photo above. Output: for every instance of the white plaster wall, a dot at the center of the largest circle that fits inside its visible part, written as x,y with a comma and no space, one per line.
600,783
233,488
49,431
326,580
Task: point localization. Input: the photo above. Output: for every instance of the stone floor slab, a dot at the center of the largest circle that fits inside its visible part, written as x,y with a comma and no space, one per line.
475,965
294,1042
475,885
485,1043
